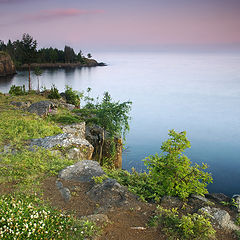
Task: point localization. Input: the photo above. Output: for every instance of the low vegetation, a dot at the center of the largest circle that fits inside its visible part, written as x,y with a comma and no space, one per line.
190,226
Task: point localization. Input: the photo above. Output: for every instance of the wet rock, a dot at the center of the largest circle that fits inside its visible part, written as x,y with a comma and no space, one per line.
220,217
82,171
42,108
110,194
65,140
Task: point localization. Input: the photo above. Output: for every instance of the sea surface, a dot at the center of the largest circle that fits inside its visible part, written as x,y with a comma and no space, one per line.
196,93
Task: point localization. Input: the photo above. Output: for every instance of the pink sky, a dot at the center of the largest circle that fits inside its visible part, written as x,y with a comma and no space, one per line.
135,24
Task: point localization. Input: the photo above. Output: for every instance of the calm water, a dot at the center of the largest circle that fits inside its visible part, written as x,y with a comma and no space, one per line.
199,93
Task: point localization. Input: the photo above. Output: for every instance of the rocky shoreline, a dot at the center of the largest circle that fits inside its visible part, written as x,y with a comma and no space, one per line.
88,63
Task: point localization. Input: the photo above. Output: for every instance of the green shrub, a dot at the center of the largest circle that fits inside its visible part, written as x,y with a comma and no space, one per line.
171,172
65,119
17,90
190,226
72,97
26,217
54,94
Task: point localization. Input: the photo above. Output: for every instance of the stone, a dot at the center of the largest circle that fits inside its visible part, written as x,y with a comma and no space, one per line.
218,197
110,194
66,194
21,104
94,134
7,66
99,219
77,129
65,140
236,201
82,171
220,217
42,108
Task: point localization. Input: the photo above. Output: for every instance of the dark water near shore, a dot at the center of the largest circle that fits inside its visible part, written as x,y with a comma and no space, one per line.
199,93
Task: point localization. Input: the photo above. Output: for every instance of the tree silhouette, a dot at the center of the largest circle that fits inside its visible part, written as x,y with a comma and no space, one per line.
29,52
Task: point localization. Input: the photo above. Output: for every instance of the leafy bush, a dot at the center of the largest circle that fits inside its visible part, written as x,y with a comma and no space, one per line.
190,226
171,172
17,90
54,94
72,97
25,217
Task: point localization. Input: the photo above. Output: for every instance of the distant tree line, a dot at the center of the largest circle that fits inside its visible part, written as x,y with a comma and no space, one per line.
25,51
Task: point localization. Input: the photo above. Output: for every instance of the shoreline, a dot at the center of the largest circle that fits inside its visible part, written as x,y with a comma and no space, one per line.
89,63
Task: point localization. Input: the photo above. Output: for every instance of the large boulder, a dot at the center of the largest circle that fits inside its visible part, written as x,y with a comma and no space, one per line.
82,171
42,108
76,129
221,218
68,142
6,65
110,194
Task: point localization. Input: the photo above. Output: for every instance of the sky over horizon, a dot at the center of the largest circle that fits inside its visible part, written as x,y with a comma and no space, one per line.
132,24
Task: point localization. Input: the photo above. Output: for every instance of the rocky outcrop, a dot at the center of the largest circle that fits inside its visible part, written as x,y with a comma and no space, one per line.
6,65
82,171
220,217
67,142
42,108
94,134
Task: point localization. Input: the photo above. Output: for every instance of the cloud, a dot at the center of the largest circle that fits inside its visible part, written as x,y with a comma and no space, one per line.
46,15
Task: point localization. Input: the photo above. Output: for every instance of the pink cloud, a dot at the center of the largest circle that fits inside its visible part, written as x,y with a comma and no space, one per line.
59,13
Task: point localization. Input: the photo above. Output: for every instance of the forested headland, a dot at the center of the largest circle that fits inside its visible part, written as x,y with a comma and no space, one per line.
24,51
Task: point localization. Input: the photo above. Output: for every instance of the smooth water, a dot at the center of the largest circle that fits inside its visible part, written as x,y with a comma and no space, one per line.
199,93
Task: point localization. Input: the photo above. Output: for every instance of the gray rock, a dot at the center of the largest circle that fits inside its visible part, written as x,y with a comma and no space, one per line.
77,129
65,140
236,198
21,104
110,194
221,218
42,108
59,185
218,197
82,171
66,194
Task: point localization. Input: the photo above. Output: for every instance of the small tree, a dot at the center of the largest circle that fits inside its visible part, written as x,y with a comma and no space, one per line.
89,55
113,117
38,72
29,52
171,172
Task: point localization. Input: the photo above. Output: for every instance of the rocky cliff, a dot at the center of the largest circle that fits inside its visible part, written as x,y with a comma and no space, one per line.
6,65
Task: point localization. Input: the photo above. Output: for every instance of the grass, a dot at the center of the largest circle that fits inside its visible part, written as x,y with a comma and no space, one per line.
23,215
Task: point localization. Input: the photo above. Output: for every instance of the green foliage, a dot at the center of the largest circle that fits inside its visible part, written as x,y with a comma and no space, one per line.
138,183
26,217
100,179
17,90
66,118
30,166
54,94
171,172
190,226
15,127
72,97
